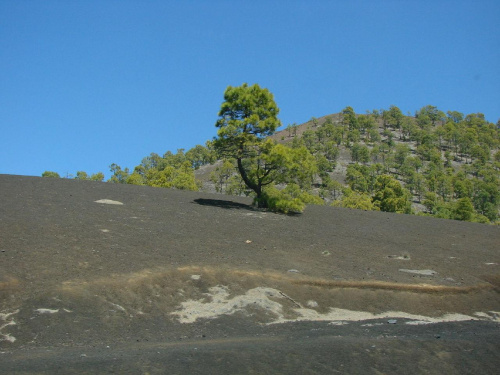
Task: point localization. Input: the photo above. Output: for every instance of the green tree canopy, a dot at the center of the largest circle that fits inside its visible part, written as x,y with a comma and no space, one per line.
51,174
248,115
81,175
356,200
179,178
464,210
349,118
119,176
390,196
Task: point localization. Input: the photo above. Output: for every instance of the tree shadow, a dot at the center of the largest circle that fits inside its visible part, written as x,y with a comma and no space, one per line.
225,204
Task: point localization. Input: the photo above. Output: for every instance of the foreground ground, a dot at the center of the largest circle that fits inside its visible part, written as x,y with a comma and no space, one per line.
103,278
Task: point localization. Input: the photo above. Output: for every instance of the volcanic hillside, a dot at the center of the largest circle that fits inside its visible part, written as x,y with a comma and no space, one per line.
100,278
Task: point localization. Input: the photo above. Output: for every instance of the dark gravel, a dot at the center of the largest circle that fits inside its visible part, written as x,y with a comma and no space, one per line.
111,275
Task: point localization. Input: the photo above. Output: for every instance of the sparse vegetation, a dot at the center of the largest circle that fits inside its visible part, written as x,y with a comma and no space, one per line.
50,174
445,165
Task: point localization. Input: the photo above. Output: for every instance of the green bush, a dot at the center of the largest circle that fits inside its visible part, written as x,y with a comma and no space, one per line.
51,174
289,200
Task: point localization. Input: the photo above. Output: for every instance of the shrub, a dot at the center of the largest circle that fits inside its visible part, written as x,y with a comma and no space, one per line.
289,200
51,174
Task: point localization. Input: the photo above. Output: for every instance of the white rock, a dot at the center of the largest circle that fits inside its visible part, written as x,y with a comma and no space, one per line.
419,272
108,201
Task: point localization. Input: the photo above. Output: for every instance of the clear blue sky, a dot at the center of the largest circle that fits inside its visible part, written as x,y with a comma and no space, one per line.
84,84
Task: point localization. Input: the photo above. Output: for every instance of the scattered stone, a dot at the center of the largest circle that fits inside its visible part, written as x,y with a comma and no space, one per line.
392,321
399,257
108,201
47,311
325,253
419,272
293,271
248,241
195,277
312,303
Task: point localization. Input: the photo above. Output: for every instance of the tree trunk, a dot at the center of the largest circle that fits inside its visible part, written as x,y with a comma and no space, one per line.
257,188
